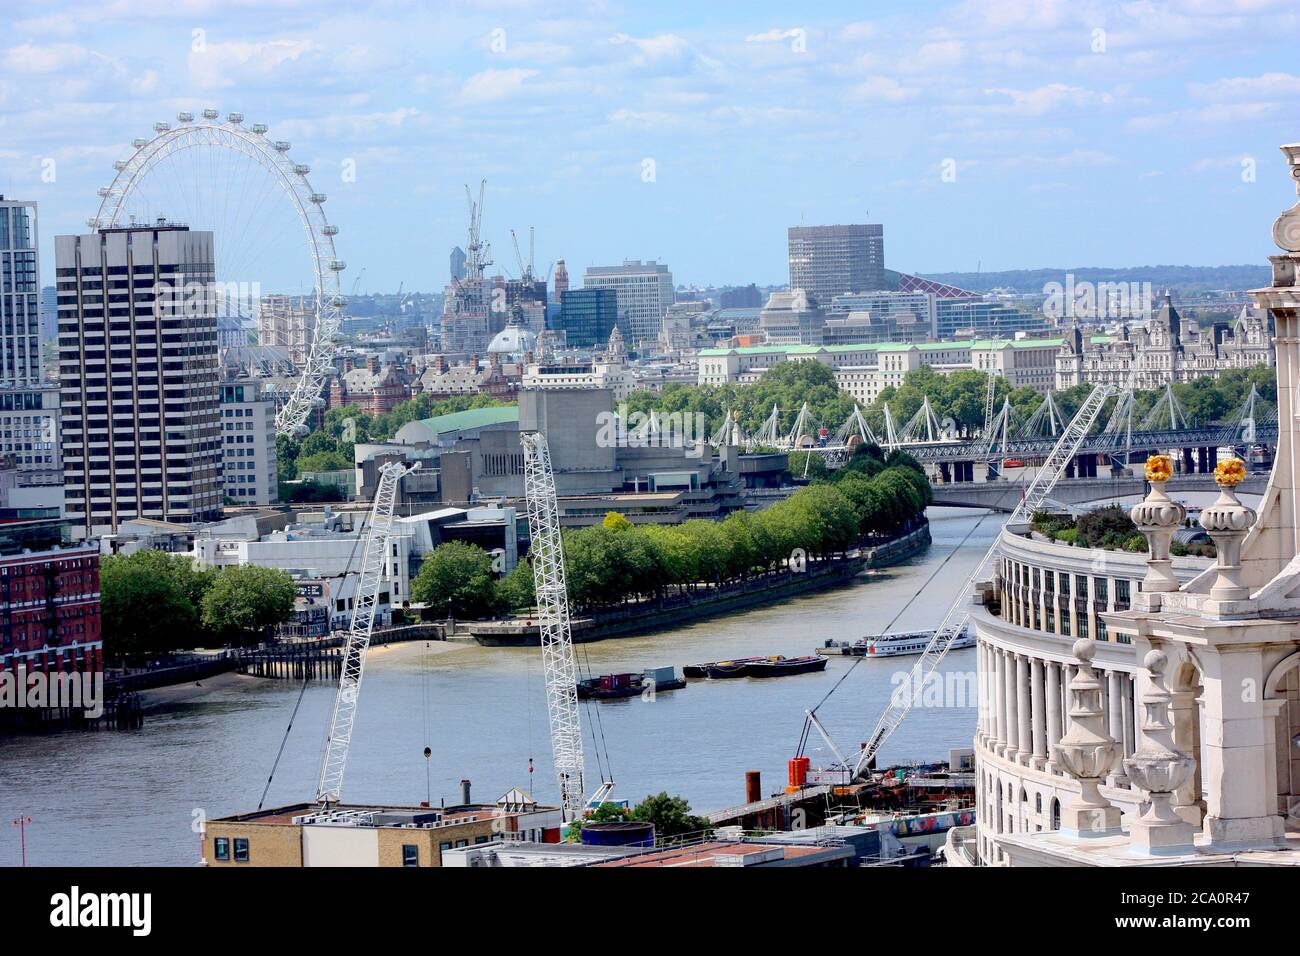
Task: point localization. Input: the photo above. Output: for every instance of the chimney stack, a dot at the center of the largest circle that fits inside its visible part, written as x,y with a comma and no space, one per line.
753,786
464,792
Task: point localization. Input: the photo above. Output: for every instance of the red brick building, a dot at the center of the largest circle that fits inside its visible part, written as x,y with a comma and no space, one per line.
49,610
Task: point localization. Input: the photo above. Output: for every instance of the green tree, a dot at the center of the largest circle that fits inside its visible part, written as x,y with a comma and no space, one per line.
245,601
458,576
145,612
515,591
671,816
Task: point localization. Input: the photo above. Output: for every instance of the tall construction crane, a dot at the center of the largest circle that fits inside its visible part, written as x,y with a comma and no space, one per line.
957,619
478,253
559,665
374,571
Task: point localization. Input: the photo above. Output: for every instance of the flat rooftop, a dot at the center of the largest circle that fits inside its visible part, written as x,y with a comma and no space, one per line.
376,815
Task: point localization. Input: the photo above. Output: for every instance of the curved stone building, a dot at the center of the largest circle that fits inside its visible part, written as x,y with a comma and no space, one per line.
1138,710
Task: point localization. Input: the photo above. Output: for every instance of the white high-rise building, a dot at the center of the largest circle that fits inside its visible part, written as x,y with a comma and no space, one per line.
29,406
248,442
645,291
138,375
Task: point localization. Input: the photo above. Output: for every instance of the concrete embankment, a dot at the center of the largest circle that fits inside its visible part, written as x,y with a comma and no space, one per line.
694,606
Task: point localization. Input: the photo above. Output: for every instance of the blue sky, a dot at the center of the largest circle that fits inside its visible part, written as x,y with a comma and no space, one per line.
1080,132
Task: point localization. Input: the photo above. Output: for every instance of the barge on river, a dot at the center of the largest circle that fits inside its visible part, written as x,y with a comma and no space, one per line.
774,666
615,686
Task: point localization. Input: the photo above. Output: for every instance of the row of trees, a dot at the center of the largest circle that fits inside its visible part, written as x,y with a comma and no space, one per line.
617,561
153,603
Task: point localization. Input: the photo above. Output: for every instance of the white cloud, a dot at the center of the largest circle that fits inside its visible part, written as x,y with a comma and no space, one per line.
1269,86
1045,99
883,88
232,63
493,84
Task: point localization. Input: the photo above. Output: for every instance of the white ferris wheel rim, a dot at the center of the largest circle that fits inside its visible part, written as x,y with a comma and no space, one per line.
273,156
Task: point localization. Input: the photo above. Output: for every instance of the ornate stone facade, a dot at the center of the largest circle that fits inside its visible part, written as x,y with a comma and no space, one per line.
1165,349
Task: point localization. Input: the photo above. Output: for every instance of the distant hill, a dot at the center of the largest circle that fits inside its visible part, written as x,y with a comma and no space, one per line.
1182,279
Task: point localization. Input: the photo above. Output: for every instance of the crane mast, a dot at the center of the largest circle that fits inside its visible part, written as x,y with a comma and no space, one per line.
558,662
957,619
374,568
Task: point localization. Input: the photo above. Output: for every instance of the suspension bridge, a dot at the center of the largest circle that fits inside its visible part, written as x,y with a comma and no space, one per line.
1125,435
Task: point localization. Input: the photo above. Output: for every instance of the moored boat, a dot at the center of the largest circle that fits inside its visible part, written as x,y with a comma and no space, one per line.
697,671
615,686
911,642
783,666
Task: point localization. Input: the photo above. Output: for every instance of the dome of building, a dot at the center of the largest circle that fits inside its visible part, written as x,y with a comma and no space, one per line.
512,343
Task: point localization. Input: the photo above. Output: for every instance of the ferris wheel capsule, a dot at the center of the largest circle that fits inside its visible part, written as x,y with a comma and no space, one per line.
317,198
104,192
184,117
339,301
330,229
92,224
161,127
302,169
259,128
210,114
281,146
139,143
338,265
119,164
235,118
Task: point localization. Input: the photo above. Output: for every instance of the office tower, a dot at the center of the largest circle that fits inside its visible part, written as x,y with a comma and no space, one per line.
587,316
645,290
138,376
740,297
29,406
457,262
288,322
827,261
561,284
248,440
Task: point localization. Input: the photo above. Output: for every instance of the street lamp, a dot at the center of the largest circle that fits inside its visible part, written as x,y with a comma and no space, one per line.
21,824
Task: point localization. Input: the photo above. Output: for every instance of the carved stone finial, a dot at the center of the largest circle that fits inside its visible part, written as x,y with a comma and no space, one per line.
1286,229
1087,752
1227,521
1160,769
1157,516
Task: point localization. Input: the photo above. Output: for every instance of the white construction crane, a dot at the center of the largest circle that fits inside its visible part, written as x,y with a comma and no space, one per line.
478,254
374,571
559,665
957,619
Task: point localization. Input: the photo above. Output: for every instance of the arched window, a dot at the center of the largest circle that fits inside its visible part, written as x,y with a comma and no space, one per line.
1056,814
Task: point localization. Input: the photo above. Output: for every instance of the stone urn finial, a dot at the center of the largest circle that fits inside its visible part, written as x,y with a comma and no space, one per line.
1160,769
1157,516
1087,752
1227,521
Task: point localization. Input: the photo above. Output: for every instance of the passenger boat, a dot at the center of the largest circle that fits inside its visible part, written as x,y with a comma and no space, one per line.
910,642
615,686
783,666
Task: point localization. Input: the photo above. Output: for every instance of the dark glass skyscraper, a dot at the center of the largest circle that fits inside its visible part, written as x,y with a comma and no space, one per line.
587,316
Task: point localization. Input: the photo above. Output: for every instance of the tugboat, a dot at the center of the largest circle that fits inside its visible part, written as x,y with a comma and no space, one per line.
782,666
615,686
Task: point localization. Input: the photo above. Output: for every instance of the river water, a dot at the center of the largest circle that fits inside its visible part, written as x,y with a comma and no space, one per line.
131,797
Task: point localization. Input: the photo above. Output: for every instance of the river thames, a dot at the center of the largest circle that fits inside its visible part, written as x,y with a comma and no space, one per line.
132,797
